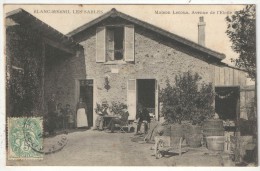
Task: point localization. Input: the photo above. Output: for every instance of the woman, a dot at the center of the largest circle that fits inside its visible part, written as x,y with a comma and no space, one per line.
82,120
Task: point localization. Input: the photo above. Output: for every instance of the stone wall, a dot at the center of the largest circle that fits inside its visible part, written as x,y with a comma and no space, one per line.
61,73
155,58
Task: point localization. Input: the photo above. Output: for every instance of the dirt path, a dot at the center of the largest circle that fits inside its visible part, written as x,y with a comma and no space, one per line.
94,148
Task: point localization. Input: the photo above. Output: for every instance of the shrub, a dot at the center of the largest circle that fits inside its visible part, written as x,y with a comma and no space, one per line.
187,100
117,108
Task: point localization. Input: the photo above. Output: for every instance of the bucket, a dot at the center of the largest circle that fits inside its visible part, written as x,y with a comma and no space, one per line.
215,143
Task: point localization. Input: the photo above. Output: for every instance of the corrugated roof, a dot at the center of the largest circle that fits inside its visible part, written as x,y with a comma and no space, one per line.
113,12
24,18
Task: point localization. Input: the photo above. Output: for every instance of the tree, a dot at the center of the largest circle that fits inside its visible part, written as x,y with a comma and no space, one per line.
187,100
241,29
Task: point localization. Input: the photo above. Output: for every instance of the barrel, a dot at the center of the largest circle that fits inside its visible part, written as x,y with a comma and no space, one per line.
193,136
215,143
213,127
176,134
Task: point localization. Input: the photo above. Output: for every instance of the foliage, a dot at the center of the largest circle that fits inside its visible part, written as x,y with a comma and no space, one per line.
117,108
99,108
187,100
241,29
23,76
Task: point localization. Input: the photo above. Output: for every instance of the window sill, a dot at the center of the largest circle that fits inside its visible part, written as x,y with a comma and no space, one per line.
119,62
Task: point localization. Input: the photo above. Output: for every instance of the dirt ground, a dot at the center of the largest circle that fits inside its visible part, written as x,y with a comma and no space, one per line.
95,148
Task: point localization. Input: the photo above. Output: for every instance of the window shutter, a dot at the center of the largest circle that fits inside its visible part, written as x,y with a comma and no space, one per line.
156,100
131,98
129,43
101,44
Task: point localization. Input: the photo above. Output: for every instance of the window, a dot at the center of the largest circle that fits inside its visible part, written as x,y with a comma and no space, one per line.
115,43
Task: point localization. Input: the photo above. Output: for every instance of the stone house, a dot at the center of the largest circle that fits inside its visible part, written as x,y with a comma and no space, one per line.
129,60
119,58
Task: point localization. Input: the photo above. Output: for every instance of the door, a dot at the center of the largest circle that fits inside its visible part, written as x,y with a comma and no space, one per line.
131,98
86,93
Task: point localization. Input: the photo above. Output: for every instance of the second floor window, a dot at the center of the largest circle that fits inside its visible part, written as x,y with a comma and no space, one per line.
115,43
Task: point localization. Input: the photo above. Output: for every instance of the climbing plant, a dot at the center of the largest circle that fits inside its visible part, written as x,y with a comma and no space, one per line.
23,76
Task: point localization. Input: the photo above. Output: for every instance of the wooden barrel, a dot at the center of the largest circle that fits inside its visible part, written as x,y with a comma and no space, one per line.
193,136
176,130
213,127
176,134
215,143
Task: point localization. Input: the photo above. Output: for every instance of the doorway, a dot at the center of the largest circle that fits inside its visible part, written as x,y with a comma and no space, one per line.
86,93
146,94
227,102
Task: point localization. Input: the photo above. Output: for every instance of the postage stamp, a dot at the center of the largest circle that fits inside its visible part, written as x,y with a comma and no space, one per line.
24,136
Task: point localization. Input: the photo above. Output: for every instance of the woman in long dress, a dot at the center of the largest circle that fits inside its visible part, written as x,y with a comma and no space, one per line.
82,120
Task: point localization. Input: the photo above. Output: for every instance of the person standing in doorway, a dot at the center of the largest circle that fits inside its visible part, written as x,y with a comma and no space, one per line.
52,114
82,120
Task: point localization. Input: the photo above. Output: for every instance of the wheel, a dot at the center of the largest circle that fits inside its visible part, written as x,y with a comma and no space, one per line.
158,153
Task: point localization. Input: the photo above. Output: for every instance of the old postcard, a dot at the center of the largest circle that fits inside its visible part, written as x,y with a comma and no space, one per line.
130,85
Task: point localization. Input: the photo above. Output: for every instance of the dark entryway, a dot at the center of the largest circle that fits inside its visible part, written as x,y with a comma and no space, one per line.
146,93
227,102
86,93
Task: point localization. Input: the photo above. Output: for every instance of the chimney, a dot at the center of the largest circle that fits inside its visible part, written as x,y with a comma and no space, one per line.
201,31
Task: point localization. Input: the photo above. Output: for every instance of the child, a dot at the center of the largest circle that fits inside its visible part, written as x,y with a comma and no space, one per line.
70,116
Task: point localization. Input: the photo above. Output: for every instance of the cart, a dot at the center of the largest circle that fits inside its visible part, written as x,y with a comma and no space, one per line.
169,144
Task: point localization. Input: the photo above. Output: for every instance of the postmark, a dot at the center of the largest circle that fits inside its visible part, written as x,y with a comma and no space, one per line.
24,135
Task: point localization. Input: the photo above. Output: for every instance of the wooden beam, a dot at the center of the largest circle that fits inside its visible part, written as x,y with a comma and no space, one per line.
59,46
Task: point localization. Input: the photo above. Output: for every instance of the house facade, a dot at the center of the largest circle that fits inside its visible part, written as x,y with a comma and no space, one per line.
118,58
129,61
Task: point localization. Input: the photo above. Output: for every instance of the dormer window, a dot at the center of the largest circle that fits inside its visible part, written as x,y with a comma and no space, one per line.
115,43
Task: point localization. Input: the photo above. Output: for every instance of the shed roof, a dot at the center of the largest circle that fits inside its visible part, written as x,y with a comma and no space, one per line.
55,37
114,13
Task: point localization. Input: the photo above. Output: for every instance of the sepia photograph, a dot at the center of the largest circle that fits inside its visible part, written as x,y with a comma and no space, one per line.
130,85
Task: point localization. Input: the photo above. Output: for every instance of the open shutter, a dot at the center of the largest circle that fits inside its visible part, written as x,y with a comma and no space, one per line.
131,98
129,43
77,91
101,44
110,44
156,100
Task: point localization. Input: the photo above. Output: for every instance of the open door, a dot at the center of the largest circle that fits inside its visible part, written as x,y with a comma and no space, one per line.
131,98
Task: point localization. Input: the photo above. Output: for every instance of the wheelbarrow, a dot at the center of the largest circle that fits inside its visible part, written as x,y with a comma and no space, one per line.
169,144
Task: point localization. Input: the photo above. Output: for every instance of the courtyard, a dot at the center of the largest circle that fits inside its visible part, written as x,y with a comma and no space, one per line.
99,148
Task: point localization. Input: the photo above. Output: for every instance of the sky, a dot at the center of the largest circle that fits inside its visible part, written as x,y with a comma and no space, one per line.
179,19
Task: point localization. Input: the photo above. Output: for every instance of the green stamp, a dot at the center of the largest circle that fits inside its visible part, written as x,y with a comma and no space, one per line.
25,138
